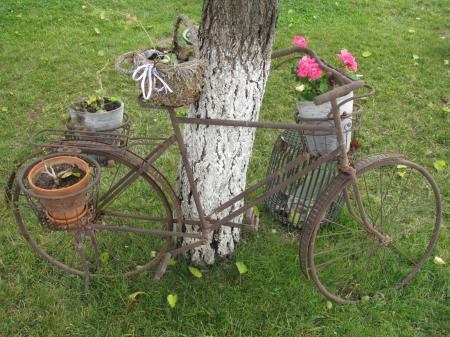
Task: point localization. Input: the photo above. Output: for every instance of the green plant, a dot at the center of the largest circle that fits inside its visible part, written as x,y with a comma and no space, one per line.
61,175
98,102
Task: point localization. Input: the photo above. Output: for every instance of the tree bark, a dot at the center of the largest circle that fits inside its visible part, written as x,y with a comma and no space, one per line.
236,38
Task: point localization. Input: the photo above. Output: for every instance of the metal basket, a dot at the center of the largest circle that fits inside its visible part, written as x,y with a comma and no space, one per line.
291,206
35,202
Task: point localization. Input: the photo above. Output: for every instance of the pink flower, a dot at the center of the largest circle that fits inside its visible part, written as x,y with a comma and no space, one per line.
308,67
300,41
348,60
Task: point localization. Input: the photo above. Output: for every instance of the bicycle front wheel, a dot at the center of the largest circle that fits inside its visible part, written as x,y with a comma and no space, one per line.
401,201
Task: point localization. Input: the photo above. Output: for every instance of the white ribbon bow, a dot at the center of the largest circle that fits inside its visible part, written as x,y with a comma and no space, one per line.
149,74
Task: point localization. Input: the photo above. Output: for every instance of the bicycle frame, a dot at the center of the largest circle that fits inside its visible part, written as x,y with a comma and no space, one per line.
340,154
205,220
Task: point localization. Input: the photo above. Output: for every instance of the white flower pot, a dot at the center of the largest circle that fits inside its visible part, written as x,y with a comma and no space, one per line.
318,142
99,121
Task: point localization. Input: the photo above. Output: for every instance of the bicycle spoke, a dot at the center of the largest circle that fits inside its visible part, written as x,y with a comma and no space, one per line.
340,247
349,262
339,258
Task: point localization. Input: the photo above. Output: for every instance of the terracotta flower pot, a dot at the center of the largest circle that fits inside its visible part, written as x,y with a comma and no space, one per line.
63,210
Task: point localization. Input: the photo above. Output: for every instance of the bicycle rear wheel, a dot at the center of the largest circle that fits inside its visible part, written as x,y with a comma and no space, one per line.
401,201
105,242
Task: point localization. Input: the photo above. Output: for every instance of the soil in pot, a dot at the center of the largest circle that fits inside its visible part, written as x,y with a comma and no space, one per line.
43,180
108,105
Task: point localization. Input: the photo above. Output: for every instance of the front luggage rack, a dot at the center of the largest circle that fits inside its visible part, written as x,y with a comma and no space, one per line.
57,138
68,139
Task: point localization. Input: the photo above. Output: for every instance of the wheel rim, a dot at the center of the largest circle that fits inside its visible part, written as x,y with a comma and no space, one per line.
107,253
402,200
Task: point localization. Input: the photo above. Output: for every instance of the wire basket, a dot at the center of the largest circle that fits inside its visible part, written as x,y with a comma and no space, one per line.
291,206
82,201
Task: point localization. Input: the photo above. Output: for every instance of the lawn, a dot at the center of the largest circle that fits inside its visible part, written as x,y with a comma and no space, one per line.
50,52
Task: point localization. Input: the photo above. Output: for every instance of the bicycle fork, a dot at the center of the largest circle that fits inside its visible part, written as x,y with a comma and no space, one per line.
344,166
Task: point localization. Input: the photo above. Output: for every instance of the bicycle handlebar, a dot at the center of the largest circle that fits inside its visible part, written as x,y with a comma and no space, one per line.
338,92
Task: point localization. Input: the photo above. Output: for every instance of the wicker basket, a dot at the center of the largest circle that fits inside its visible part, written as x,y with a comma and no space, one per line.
184,79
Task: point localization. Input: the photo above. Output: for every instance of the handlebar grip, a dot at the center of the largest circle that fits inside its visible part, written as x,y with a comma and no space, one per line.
338,92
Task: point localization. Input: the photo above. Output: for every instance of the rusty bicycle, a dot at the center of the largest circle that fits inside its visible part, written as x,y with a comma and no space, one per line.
387,224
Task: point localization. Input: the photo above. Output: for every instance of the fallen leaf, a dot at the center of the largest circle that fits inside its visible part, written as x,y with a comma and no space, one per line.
194,271
366,53
97,31
411,30
329,305
172,300
439,165
153,253
365,299
439,261
294,217
102,15
84,6
273,230
415,57
101,53
44,58
172,262
446,62
401,167
290,25
104,258
132,297
242,268
290,11
4,109
445,109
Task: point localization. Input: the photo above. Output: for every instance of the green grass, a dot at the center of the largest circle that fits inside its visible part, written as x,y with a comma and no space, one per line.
49,55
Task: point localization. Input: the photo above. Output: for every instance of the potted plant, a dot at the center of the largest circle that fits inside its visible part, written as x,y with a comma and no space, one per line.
58,182
312,82
96,112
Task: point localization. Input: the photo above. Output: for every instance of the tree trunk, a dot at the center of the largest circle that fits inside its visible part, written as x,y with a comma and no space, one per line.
236,38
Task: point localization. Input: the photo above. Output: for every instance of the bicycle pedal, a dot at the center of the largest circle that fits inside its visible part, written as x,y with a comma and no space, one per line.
162,266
